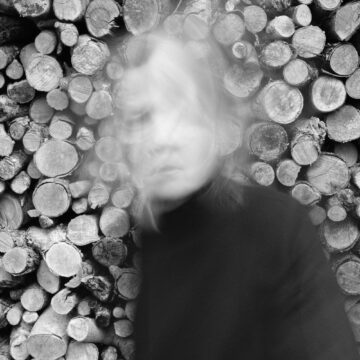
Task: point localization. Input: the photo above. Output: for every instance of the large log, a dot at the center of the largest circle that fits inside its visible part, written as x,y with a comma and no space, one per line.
70,10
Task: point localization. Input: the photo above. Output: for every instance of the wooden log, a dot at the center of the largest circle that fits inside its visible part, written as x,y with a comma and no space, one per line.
255,19
342,58
6,142
33,171
108,172
98,196
327,93
109,251
100,17
12,211
348,152
109,353
83,230
309,41
346,272
7,55
126,346
228,28
85,139
77,109
343,125
100,286
34,137
30,317
20,260
130,309
18,127
82,351
83,308
118,312
278,102
322,6
261,172
20,92
123,328
14,70
99,105
46,279
317,214
18,341
61,126
52,197
298,72
2,81
80,88
108,149
300,14
26,8
64,301
328,173
70,10
280,27
114,222
9,109
56,158
80,206
339,236
15,294
11,238
5,306
89,55
63,259
57,99
127,282
13,316
305,193
20,183
45,42
45,222
68,33
79,188
87,268
102,313
40,112
8,281
43,239
50,329
276,54
355,174
34,298
267,141
352,85
122,196
335,210
353,317
345,22
173,24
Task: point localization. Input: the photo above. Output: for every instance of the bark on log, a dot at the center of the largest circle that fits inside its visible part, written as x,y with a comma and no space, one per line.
7,55
34,137
26,8
109,353
305,193
109,251
18,127
20,92
9,109
100,286
309,41
12,211
43,239
83,230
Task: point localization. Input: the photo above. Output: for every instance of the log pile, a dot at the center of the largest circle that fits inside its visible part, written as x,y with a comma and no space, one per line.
70,259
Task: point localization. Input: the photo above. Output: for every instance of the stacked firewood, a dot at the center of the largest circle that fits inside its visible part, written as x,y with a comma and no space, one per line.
70,259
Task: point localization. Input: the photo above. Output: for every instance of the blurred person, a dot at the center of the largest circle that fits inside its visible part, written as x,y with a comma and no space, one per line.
230,271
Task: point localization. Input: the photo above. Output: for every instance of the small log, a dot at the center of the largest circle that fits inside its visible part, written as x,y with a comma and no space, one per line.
123,196
18,127
300,14
12,211
348,152
34,137
64,301
83,307
280,27
108,172
335,210
317,214
276,54
13,316
80,88
127,282
14,70
98,196
89,55
108,149
61,126
123,328
126,346
56,158
33,171
100,16
268,141
20,183
347,270
20,260
34,298
20,92
327,94
68,33
118,312
305,193
298,72
114,222
109,251
40,112
278,102
99,105
2,81
309,41
50,329
70,10
7,280
79,188
85,139
18,341
80,206
82,351
261,172
245,51
9,109
85,329
100,286
6,142
26,8
255,19
339,236
328,174
345,22
57,99
228,28
109,353
83,230
7,55
43,72
130,310
27,53
342,58
46,279
30,317
52,197
45,42
352,85
102,313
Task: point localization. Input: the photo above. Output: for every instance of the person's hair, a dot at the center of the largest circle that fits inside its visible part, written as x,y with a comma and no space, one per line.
174,65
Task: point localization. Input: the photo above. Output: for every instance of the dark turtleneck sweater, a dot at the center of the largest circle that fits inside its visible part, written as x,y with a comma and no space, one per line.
239,281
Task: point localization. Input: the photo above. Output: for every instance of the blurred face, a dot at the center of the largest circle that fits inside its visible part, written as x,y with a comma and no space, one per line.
168,140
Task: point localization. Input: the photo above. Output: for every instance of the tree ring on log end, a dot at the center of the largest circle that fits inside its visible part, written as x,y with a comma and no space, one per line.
55,346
